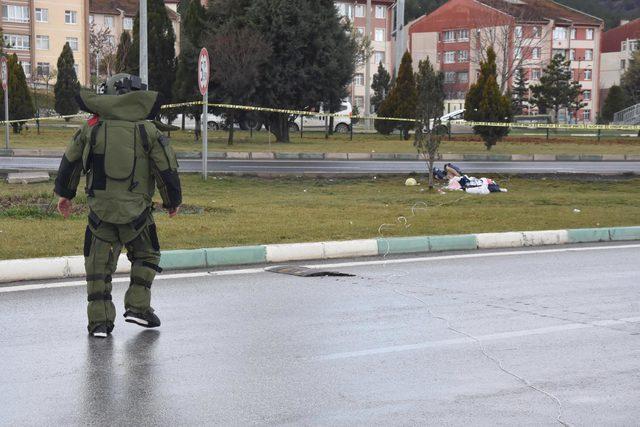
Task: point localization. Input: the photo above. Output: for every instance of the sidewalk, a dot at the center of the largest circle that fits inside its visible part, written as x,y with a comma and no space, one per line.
265,155
73,266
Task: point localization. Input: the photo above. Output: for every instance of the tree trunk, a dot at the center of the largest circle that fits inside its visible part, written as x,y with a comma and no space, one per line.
280,127
431,161
184,114
230,120
198,130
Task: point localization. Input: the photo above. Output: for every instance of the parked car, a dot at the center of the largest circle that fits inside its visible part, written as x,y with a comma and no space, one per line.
341,123
214,122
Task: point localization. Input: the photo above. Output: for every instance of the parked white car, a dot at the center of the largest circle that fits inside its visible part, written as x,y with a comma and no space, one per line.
214,122
341,124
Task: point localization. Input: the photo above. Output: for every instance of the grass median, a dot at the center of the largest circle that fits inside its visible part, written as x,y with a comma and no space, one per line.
315,142
244,211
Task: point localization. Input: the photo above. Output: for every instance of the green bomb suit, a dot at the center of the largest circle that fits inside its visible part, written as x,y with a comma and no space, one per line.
124,157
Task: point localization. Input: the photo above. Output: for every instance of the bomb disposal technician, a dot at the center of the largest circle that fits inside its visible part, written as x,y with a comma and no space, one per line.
124,157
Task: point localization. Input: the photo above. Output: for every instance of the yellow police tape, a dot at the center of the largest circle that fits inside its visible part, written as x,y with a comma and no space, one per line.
395,119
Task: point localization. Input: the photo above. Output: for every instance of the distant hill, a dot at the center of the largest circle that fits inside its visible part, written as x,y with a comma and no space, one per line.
612,11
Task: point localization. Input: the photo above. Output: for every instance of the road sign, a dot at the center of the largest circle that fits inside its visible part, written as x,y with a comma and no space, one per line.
4,72
204,70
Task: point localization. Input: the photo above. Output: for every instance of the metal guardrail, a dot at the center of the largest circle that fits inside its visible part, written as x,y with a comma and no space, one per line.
628,116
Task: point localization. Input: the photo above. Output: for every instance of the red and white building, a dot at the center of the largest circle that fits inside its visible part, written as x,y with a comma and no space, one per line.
381,14
618,47
524,33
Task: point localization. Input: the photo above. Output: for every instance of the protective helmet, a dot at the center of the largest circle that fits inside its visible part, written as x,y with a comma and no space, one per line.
122,83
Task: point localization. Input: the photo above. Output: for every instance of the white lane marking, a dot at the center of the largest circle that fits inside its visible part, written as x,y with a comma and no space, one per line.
466,340
37,286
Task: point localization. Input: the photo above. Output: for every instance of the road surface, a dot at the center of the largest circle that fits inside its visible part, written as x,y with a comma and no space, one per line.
356,166
522,337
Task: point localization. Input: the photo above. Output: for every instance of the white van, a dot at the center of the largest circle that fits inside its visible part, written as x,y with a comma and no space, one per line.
341,123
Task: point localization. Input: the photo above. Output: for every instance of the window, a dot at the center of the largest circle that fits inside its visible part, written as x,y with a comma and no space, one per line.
13,13
463,77
463,56
450,77
449,36
70,17
588,74
381,12
536,32
345,9
588,55
624,46
379,35
573,34
536,73
450,57
634,45
42,15
623,64
91,19
586,95
463,35
518,53
42,42
26,67
360,11
379,57
75,68
559,33
519,32
572,54
108,21
589,33
560,52
73,43
359,102
17,42
127,23
111,40
360,31
43,69
586,115
358,79
535,53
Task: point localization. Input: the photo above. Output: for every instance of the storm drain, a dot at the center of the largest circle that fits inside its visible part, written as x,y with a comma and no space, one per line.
294,270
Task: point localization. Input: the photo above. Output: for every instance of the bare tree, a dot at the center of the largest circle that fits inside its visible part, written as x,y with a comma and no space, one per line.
513,41
236,57
101,44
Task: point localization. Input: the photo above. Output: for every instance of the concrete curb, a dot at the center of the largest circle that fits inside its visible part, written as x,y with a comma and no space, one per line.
73,266
476,157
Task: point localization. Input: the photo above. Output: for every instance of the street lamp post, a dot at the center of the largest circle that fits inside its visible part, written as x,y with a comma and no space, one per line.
144,53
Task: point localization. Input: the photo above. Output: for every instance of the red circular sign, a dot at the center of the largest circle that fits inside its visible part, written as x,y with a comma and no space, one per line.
204,71
4,72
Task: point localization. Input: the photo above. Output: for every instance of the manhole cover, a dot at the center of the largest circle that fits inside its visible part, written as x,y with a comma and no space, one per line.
295,270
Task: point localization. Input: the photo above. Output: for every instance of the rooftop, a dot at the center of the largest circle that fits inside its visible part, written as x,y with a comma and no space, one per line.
129,7
542,11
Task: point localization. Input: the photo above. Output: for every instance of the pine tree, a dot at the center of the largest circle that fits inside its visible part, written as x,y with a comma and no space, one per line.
485,103
20,102
616,101
380,84
429,109
297,76
161,47
519,92
556,89
630,81
67,86
401,102
122,53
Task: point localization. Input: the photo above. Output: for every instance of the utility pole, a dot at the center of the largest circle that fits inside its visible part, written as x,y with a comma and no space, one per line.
98,72
144,52
367,69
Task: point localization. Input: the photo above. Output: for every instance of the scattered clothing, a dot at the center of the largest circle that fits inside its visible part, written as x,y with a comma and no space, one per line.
458,181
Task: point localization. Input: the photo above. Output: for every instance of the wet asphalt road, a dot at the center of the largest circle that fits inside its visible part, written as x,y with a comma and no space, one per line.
391,346
328,167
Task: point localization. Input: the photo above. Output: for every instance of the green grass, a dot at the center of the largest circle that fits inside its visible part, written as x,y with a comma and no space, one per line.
244,211
57,138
